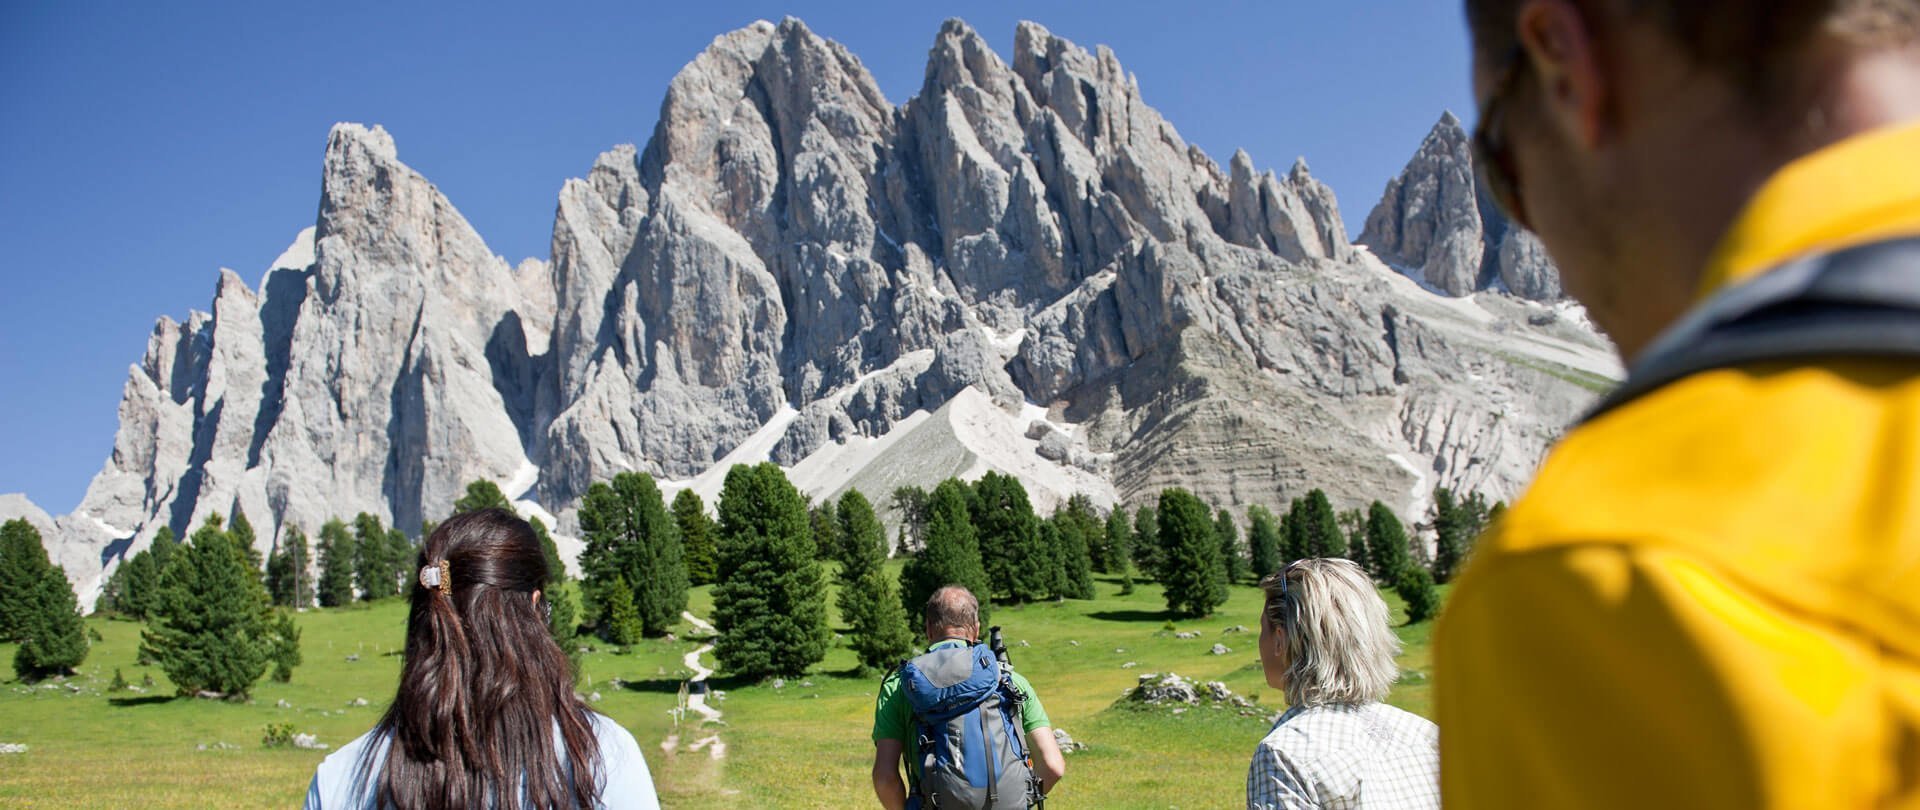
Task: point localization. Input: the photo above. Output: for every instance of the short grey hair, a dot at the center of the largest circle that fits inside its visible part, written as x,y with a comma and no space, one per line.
952,606
1340,643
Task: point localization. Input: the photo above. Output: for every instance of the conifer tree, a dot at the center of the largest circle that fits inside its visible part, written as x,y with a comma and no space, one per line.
481,494
1294,533
696,537
1386,544
141,581
1324,538
1019,567
880,635
622,620
402,560
23,564
1354,523
1067,533
1450,534
337,552
951,555
1233,560
826,530
910,505
1263,540
241,531
1146,540
630,535
287,578
373,569
1118,542
1080,531
1415,586
39,607
1190,567
283,645
211,631
770,605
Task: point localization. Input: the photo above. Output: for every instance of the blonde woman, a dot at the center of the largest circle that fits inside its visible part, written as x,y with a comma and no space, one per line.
1325,641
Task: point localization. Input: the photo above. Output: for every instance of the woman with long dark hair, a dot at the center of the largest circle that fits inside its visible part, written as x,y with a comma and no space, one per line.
485,716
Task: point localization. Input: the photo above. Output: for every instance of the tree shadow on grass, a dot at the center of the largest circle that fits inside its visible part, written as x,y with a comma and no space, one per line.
671,686
143,700
1135,615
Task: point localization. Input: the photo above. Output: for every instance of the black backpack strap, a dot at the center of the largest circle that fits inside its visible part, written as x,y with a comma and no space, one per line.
1861,302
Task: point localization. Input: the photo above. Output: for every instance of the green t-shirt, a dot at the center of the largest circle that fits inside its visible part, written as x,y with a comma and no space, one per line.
893,713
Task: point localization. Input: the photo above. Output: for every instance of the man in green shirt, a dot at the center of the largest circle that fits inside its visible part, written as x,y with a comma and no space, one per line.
952,619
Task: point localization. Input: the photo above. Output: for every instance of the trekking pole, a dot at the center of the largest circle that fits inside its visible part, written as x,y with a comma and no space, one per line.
997,645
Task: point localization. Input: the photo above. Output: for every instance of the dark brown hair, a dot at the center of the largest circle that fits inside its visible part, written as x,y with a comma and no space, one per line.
1759,43
484,686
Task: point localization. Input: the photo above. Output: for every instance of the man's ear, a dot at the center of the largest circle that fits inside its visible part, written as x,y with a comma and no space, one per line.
1566,62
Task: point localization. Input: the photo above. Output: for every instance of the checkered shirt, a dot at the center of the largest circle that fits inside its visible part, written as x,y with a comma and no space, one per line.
1371,757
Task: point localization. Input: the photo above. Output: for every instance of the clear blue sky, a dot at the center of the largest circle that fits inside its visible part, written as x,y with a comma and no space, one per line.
146,145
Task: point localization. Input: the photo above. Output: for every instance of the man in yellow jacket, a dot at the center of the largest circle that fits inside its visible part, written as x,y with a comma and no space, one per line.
1710,595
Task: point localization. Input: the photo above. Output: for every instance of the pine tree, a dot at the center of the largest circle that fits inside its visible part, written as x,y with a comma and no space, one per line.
23,564
244,539
287,578
1146,540
630,535
1118,542
1324,538
1296,545
1415,586
770,605
1386,543
210,631
1019,567
696,537
373,567
622,619
1070,530
1263,538
402,559
1233,560
826,530
910,504
335,587
481,494
39,606
1354,523
1080,531
1450,534
141,579
868,603
1190,567
283,645
951,555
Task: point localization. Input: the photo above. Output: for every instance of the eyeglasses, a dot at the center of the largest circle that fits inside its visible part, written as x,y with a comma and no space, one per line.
1492,155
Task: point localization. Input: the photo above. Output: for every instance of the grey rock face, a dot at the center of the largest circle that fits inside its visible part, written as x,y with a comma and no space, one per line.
1438,225
793,262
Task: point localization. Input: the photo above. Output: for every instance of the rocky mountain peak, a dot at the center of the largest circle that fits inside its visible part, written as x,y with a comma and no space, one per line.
1436,224
1022,268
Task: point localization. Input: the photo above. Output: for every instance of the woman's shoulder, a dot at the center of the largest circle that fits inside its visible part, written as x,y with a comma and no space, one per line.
341,778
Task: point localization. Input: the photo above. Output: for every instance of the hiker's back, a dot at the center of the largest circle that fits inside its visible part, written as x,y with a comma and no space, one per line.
969,751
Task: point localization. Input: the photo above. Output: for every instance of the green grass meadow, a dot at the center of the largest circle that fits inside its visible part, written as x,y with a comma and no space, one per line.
805,744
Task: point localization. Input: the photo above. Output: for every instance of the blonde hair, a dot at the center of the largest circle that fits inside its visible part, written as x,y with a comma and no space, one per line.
1340,644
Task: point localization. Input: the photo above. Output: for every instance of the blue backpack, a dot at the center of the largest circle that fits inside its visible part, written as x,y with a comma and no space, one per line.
966,714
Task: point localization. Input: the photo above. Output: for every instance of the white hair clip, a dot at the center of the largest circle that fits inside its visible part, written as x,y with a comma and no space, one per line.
437,575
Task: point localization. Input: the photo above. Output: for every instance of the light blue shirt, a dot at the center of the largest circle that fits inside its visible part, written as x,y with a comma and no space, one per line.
624,779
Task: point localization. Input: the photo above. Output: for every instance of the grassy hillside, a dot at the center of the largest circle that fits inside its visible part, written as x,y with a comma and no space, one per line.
804,744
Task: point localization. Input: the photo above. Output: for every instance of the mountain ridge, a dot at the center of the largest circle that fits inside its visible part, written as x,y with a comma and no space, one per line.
790,251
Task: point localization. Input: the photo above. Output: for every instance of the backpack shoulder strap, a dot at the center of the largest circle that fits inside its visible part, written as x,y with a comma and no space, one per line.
1860,302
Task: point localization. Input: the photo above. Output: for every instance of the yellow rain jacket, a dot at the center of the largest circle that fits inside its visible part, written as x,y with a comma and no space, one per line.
1710,597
